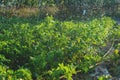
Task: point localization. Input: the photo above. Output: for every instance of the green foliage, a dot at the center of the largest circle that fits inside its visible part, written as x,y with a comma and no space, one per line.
63,71
23,74
116,32
89,62
42,47
3,60
104,78
39,64
8,74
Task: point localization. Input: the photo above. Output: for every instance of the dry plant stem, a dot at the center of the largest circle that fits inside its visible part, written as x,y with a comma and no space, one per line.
107,53
109,50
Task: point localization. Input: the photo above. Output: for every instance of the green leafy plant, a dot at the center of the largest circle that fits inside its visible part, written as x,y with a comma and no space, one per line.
42,47
24,74
8,74
63,71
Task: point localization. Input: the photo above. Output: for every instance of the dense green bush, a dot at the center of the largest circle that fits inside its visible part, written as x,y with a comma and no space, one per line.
52,49
8,74
116,32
